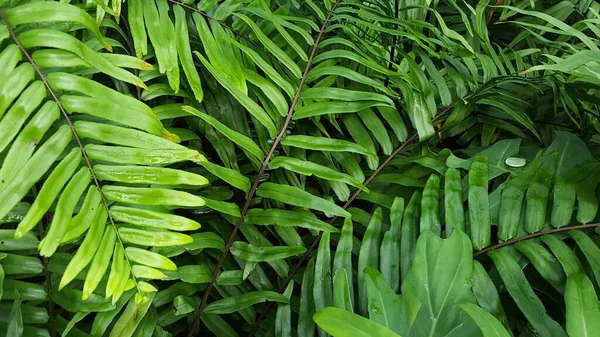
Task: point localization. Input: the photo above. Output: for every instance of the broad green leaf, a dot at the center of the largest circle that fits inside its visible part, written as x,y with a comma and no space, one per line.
430,209
341,292
439,278
60,40
342,259
368,257
148,175
324,144
512,200
384,306
194,274
451,33
420,117
71,300
185,54
453,201
327,70
496,155
389,251
149,218
217,325
285,218
486,293
479,204
283,317
393,118
162,36
537,194
590,250
295,196
153,238
338,54
583,308
341,323
564,254
15,318
521,292
362,137
270,90
309,168
323,286
151,196
28,291
572,152
333,107
9,243
544,262
399,179
489,325
131,317
410,232
377,128
306,324
254,253
76,318
53,12
232,177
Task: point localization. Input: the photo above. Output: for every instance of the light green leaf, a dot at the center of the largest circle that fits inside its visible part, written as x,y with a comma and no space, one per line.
341,323
295,196
440,278
285,218
583,308
309,168
488,324
254,253
236,137
324,144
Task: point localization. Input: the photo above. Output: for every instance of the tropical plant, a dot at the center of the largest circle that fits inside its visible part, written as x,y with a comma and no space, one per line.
444,291
287,129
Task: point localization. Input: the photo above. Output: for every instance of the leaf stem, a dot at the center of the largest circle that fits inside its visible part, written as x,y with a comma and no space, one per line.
262,169
533,236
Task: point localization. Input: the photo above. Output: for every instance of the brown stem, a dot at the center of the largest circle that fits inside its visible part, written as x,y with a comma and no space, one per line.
534,235
498,3
73,131
262,169
346,205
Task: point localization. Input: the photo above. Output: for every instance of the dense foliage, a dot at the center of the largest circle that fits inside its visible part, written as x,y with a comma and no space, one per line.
299,168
